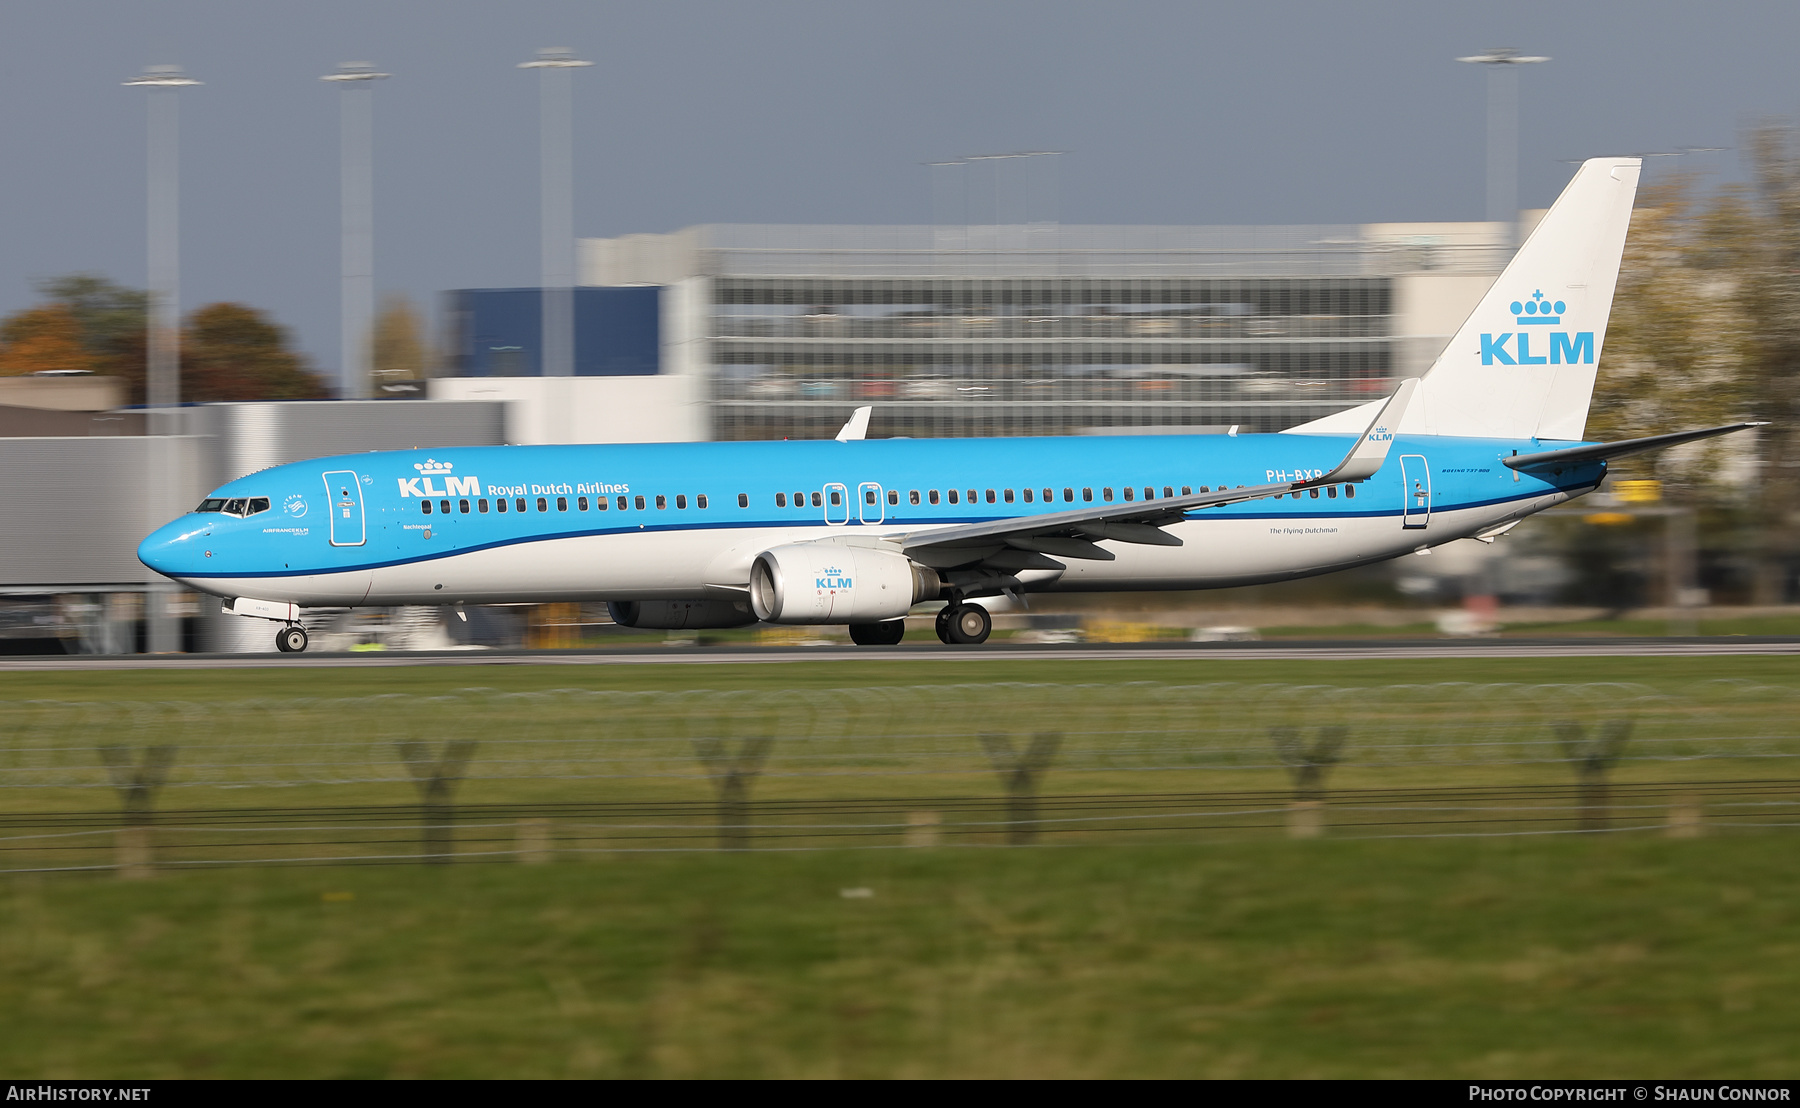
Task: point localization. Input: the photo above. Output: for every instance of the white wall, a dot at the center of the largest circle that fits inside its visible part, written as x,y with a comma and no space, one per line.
542,410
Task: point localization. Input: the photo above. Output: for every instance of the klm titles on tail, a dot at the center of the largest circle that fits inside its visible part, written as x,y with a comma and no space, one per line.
1565,349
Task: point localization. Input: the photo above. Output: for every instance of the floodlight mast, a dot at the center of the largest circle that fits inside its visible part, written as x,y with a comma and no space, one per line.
1503,133
557,206
356,172
162,384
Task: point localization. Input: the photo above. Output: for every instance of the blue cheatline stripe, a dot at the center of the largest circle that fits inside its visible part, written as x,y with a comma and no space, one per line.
1200,516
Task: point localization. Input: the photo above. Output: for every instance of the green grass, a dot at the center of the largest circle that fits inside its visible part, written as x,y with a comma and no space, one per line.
1572,957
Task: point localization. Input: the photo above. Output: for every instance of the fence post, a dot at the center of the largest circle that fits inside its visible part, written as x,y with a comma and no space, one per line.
1593,756
137,782
437,779
732,776
1020,772
1307,765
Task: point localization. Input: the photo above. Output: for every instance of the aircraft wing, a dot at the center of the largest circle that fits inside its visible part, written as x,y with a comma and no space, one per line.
1025,542
1559,460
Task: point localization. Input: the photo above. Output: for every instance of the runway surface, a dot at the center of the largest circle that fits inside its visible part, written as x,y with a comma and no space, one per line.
1319,650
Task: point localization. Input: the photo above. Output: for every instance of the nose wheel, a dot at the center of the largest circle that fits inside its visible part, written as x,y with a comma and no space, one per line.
291,639
964,625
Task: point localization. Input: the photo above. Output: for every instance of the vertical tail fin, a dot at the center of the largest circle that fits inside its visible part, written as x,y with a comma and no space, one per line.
1523,363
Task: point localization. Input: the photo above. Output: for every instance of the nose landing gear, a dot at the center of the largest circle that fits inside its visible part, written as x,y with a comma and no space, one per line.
291,639
964,624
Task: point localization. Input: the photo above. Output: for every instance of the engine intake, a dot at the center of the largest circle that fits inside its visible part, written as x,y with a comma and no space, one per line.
821,583
680,615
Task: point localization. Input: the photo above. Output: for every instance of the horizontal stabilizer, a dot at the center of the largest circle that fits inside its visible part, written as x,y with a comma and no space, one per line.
1594,452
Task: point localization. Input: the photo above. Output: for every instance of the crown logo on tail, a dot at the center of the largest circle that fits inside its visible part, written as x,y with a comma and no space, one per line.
1537,311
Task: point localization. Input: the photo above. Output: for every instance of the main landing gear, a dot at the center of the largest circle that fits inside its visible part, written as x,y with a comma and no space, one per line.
291,639
964,624
886,633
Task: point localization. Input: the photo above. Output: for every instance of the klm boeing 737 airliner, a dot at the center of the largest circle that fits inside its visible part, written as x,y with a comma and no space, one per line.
858,531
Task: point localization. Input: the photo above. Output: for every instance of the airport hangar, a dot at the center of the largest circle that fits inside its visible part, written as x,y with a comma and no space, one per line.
738,331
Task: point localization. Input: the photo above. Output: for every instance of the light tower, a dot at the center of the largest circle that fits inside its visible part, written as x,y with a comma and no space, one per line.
557,206
1503,133
356,150
162,385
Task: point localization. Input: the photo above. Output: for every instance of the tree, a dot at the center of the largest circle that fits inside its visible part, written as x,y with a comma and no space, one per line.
234,352
401,353
44,340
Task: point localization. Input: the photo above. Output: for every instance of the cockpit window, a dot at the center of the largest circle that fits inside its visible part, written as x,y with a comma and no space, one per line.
237,506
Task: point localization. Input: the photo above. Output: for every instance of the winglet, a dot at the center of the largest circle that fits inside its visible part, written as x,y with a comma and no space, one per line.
1372,448
857,428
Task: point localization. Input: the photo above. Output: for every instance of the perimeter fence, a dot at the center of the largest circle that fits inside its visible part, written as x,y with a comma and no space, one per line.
484,774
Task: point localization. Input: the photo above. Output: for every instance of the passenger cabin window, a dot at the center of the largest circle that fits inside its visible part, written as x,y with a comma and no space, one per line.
1027,496
1168,491
444,506
481,506
1350,490
700,500
818,500
519,504
1315,494
581,503
990,496
638,503
622,504
781,500
1149,493
500,505
1069,496
868,496
562,503
680,502
662,503
743,500
953,499
836,498
1129,493
1106,494
971,496
933,496
543,504
913,497
893,496
1087,494
1331,492
425,506
462,506
600,503
1048,496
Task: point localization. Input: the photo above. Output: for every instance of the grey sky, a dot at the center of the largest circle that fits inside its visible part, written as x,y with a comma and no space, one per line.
815,113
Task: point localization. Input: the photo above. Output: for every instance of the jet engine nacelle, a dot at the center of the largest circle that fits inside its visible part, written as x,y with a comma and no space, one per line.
680,615
823,583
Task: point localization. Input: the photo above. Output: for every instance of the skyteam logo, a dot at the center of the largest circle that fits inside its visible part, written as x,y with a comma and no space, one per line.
832,579
423,486
1538,311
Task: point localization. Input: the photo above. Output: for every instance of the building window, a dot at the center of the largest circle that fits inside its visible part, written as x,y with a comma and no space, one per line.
462,506
481,506
700,500
781,500
638,503
425,506
933,496
662,503
681,502
1087,494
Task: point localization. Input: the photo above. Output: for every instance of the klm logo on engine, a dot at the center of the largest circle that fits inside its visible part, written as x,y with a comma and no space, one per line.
1561,347
832,579
424,485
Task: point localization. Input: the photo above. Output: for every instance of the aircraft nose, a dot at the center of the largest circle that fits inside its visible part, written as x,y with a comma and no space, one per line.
172,549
